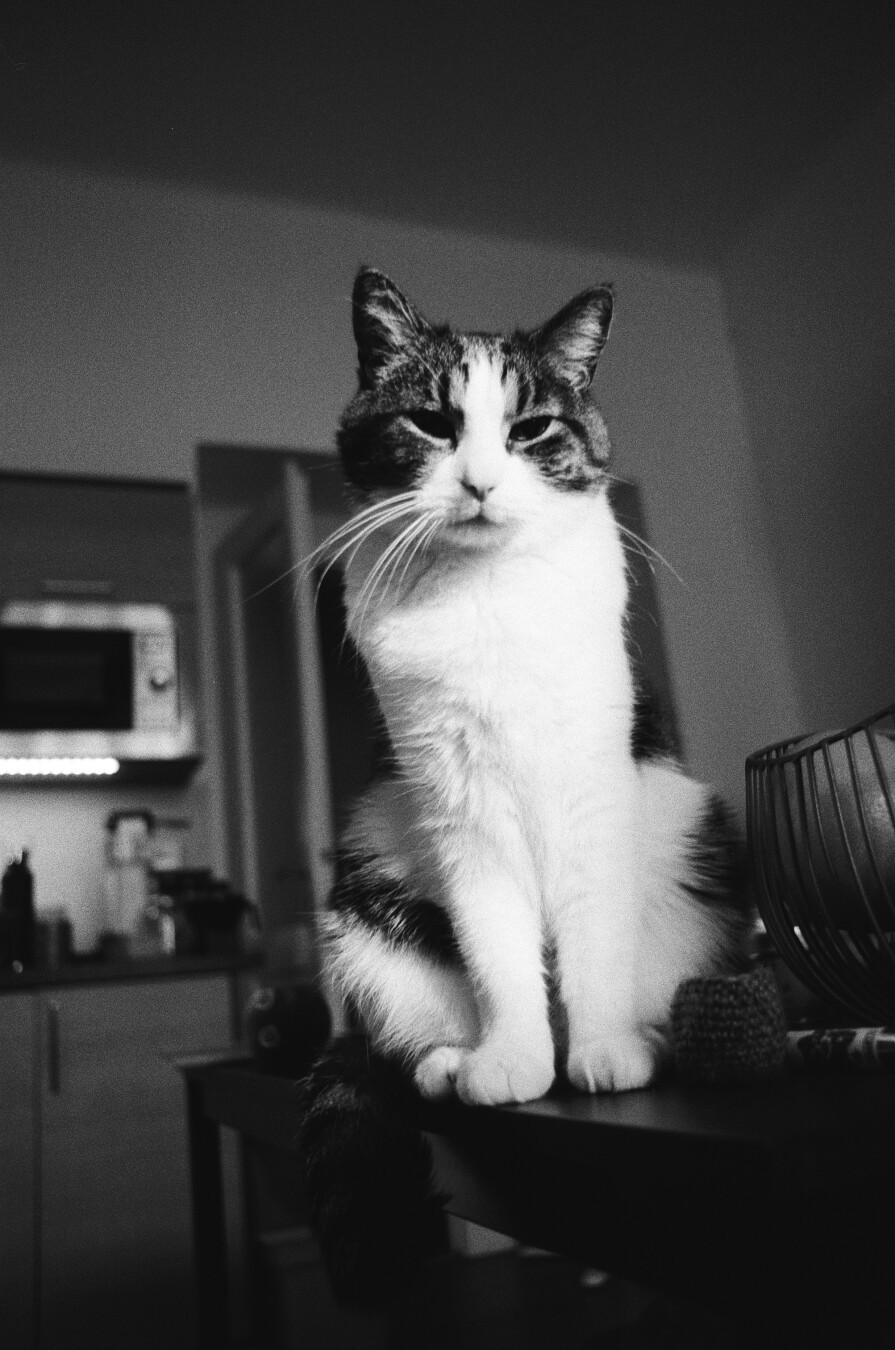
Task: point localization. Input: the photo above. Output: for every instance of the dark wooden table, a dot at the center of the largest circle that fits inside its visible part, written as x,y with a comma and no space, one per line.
772,1205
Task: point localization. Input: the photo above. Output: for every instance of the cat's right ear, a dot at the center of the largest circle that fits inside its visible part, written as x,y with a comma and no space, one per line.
385,324
574,338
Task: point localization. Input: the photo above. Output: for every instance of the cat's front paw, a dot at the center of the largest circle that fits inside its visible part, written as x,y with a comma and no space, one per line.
436,1073
494,1074
612,1063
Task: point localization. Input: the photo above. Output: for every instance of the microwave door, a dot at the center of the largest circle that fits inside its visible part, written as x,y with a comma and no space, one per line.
66,680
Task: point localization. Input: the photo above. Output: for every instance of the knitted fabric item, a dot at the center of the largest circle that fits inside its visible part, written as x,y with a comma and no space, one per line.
728,1028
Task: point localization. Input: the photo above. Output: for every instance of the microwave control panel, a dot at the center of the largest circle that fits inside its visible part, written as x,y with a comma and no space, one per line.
156,686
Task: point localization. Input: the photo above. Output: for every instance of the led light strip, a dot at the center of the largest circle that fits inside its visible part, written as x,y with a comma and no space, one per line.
58,768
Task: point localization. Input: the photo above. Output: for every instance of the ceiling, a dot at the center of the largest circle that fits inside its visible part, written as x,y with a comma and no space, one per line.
658,129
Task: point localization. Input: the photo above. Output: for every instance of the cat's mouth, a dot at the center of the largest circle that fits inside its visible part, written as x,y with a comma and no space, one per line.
480,525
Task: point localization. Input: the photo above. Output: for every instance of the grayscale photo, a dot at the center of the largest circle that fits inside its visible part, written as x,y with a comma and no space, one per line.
447,675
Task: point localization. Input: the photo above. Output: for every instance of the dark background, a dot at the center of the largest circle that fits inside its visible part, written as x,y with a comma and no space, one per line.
655,128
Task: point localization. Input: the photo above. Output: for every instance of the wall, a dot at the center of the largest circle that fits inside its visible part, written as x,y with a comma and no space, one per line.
141,319
811,301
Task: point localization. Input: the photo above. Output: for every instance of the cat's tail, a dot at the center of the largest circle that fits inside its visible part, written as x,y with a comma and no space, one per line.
368,1174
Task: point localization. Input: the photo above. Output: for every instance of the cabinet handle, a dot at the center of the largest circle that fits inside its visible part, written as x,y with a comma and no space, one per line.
54,1057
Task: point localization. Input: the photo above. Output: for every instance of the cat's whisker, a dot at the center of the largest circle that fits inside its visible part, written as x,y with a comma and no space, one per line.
630,572
415,544
369,586
413,553
392,557
358,539
369,513
354,535
647,551
422,543
356,531
408,539
377,514
269,584
386,568
381,516
366,536
372,581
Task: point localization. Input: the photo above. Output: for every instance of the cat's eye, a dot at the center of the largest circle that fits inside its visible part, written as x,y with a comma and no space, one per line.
530,428
432,423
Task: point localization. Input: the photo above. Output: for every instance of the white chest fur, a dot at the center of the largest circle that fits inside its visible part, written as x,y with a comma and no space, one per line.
502,673
497,623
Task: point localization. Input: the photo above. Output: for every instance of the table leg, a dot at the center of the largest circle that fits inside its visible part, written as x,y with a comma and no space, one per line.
209,1233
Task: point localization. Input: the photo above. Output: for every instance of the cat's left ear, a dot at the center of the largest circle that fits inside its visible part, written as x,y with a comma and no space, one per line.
385,324
573,339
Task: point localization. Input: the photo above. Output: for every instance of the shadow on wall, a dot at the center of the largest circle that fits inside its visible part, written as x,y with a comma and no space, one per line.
811,302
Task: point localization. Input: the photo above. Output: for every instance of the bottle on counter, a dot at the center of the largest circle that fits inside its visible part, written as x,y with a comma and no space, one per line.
128,857
17,924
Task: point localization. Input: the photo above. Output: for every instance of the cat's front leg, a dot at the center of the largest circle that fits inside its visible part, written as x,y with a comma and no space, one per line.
500,936
596,927
608,1052
616,1060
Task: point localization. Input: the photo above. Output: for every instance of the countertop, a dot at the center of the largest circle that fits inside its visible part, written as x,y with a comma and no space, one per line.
111,971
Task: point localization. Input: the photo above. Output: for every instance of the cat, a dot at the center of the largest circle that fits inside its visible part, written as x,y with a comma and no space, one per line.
521,891
525,888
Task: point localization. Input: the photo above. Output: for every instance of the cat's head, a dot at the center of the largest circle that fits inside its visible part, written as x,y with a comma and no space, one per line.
486,431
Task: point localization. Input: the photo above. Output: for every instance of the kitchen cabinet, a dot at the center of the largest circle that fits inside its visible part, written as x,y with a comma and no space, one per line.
18,1170
96,539
100,1237
114,542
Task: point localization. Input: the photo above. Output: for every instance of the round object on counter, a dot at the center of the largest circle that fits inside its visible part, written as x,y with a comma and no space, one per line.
287,1026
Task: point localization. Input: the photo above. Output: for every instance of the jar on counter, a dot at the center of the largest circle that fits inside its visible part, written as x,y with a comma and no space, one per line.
54,938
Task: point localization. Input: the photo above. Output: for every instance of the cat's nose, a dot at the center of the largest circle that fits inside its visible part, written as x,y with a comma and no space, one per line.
478,490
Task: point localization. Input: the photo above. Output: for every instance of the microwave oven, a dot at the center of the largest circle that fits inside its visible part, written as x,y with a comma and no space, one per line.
93,689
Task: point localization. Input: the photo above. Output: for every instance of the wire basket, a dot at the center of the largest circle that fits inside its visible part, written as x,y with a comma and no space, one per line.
820,816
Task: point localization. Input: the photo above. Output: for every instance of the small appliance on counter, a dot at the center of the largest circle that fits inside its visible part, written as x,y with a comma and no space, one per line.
201,915
129,856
